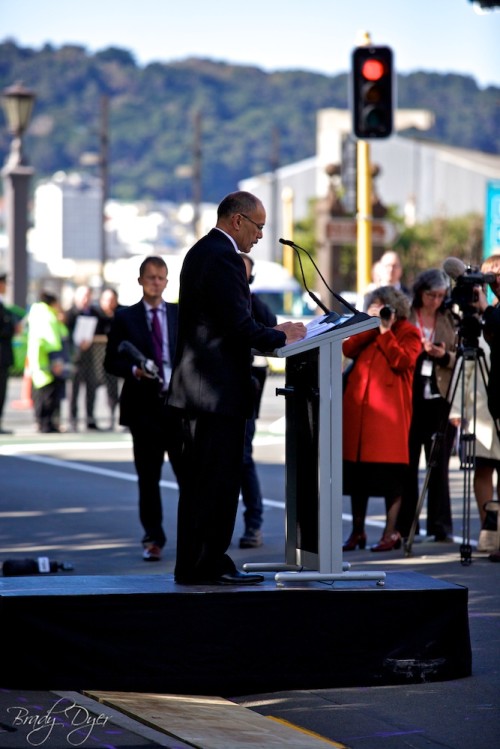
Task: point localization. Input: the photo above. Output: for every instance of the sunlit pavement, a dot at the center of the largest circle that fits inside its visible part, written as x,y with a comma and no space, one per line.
76,519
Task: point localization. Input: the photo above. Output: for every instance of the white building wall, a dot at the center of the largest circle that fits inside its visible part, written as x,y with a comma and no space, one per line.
82,223
47,239
442,181
67,215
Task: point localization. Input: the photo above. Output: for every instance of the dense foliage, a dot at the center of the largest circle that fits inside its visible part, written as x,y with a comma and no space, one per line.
250,120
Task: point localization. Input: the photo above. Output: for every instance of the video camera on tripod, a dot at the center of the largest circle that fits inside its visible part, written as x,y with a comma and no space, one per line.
464,295
467,278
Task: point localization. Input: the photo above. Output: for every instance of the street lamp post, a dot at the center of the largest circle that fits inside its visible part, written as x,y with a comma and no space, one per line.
17,103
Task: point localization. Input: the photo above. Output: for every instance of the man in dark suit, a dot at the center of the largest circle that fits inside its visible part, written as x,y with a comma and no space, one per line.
211,393
251,493
8,324
151,327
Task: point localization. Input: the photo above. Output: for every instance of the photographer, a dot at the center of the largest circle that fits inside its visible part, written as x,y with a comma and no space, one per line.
491,322
491,332
377,414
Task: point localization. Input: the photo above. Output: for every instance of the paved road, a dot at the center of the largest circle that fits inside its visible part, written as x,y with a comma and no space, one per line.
73,498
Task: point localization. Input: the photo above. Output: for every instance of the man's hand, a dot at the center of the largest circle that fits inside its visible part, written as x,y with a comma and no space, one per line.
57,367
140,373
294,331
480,302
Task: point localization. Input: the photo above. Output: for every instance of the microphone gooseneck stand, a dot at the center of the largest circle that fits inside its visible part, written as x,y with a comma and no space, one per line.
330,315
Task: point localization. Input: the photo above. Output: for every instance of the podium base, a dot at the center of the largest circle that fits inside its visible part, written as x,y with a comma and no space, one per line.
297,577
293,573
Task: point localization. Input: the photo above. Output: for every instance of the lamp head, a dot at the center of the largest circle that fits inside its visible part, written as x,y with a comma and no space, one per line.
17,102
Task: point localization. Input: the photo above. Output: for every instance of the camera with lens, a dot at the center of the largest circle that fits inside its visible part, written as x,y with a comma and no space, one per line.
467,279
386,312
465,295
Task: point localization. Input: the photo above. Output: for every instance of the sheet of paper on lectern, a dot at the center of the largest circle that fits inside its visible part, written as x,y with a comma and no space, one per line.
318,326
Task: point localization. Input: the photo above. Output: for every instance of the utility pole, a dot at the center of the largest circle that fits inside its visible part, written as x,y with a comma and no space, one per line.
287,206
104,168
275,162
197,174
364,207
364,216
372,101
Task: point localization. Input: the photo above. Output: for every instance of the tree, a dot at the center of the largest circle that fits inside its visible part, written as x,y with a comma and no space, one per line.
427,245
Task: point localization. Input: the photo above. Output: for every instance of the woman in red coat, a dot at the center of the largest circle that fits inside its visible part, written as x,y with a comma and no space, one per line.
377,408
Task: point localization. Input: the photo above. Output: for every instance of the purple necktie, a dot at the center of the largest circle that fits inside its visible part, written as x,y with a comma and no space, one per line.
157,340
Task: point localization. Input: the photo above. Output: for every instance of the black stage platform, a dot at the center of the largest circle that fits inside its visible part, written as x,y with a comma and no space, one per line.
146,634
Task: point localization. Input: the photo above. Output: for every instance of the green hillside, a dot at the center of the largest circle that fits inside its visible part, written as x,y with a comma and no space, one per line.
250,119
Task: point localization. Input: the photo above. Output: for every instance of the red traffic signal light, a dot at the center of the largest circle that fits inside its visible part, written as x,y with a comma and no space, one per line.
372,92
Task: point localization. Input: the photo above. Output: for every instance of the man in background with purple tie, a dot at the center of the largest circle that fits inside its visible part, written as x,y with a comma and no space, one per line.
150,326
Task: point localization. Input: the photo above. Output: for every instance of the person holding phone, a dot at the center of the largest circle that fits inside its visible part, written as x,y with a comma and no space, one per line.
438,334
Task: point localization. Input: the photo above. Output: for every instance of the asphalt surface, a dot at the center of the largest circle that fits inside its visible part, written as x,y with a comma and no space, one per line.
73,497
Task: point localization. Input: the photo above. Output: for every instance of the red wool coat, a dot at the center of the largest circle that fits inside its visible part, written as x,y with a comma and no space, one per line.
377,403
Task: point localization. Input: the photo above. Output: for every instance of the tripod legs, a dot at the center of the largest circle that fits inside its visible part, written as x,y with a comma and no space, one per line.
474,355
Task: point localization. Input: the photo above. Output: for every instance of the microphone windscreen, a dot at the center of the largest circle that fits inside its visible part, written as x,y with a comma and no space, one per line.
126,347
454,267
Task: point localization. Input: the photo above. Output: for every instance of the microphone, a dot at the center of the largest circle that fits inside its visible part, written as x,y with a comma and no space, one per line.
139,359
311,294
454,267
339,298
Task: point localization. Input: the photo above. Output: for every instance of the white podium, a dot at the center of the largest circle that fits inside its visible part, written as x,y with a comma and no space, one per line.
313,392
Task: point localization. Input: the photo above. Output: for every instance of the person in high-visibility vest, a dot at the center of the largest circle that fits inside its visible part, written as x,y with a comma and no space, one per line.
47,358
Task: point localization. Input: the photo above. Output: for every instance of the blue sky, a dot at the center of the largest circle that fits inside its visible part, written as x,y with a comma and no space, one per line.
318,35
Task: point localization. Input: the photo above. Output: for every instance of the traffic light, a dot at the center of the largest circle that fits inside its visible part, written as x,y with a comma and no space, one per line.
372,91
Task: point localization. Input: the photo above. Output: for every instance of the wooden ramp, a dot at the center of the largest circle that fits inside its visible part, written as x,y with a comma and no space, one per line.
210,722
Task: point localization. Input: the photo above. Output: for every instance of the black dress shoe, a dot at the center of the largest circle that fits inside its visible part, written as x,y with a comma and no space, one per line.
227,578
238,578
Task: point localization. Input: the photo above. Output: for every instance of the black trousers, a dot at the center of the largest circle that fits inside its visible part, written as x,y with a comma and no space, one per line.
209,485
47,400
151,439
4,376
429,416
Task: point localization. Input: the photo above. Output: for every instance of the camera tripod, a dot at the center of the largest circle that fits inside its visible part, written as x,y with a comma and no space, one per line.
468,350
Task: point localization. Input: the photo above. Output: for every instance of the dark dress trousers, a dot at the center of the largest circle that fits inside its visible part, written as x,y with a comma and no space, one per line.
7,330
211,396
143,409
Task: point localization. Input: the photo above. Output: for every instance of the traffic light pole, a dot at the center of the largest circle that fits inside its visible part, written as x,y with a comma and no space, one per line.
364,216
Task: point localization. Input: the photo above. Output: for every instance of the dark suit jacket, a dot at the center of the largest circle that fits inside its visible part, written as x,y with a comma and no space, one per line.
139,402
212,370
7,330
491,318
